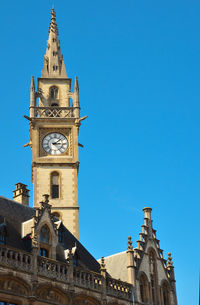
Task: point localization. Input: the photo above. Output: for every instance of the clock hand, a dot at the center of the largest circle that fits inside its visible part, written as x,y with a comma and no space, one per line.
58,140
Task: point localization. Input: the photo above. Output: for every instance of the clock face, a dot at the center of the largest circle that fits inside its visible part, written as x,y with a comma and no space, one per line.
55,143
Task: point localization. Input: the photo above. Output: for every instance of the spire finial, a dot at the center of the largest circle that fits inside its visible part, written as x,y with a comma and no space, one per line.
54,66
53,25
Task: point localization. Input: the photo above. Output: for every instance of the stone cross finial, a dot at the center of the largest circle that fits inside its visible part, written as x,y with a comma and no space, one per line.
130,247
169,260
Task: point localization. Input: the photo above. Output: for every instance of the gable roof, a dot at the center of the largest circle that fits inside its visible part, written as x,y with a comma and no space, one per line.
13,214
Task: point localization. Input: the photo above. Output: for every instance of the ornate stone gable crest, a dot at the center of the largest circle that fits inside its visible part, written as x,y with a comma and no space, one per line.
42,214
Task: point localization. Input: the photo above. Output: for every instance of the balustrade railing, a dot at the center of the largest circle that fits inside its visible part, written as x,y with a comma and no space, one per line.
118,288
87,279
53,112
16,259
53,269
94,281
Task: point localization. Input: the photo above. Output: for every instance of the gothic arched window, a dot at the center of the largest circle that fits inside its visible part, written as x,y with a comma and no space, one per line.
153,275
45,235
55,185
54,92
44,252
143,288
165,293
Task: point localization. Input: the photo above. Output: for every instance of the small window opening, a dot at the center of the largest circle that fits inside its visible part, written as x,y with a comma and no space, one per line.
55,185
44,235
2,239
54,92
54,105
60,236
44,252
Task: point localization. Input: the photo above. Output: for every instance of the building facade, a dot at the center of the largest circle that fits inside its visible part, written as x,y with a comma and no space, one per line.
41,258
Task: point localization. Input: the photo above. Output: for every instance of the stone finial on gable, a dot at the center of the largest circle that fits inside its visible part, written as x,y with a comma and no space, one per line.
170,268
169,260
130,247
45,206
45,203
103,267
130,262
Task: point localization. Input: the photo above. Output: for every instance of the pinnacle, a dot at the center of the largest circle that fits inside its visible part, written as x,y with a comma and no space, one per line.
76,87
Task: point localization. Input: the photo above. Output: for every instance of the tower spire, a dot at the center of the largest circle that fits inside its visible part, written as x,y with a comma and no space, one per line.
54,66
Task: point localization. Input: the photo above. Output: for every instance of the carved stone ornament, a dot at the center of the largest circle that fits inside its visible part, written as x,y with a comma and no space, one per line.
83,302
35,241
51,295
12,285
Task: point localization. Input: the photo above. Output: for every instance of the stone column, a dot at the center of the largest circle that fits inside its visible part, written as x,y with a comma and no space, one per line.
170,268
130,264
71,270
103,274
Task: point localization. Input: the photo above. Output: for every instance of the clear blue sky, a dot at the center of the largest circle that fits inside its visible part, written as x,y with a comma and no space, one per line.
138,64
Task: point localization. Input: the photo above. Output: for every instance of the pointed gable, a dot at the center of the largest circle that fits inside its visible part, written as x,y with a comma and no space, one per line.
147,244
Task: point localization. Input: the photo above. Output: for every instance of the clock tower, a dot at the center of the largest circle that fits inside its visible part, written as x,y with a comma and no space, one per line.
54,126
